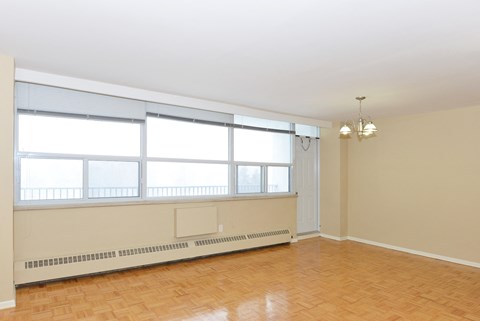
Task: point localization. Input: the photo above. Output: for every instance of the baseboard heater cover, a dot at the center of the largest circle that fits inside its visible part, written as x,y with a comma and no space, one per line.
218,240
52,268
152,249
266,234
69,259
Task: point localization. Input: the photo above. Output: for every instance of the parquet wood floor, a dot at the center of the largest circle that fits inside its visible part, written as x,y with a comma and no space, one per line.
314,279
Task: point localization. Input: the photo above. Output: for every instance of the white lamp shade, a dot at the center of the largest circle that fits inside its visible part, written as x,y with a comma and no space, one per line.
370,127
345,130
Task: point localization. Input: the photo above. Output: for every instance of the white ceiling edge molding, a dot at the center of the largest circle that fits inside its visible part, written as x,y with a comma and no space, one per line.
42,78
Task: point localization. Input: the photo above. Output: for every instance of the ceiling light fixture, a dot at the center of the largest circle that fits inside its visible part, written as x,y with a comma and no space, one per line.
363,127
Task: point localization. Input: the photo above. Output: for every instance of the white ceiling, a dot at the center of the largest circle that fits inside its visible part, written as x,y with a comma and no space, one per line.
305,57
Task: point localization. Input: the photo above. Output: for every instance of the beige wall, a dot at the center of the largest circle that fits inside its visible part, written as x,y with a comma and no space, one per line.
333,183
417,184
7,68
56,232
52,232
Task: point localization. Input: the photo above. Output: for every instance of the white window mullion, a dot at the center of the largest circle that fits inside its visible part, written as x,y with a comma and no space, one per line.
292,182
264,179
85,179
232,168
143,161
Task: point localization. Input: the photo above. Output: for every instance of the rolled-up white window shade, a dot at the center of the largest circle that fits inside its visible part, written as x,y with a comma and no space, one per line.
59,100
187,113
307,130
253,122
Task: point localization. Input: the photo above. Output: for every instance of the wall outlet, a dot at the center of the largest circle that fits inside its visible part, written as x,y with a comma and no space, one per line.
220,227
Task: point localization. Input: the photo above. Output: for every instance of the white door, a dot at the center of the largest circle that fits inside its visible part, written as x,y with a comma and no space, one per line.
307,177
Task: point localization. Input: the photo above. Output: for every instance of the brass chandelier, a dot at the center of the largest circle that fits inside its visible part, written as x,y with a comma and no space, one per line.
363,126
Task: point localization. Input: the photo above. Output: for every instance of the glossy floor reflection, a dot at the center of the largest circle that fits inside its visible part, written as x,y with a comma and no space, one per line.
314,279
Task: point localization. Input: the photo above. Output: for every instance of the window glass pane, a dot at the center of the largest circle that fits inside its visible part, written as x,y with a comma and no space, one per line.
50,179
113,179
186,179
249,179
259,146
49,134
278,179
178,139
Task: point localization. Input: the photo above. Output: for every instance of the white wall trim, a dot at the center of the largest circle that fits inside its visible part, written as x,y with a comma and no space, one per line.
403,249
421,253
332,237
158,97
308,236
7,304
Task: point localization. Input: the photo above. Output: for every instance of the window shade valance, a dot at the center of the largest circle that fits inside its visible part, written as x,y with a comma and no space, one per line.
307,131
186,113
48,99
59,100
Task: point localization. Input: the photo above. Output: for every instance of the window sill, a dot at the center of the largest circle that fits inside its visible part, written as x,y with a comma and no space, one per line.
28,207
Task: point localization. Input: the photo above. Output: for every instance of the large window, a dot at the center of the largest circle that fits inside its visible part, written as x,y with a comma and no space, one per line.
81,147
65,158
173,150
264,161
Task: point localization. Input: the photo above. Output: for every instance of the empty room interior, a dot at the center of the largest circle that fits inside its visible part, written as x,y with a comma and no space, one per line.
239,160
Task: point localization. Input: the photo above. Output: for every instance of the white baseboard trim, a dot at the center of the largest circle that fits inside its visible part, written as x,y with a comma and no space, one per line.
308,236
421,253
7,304
402,249
332,237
